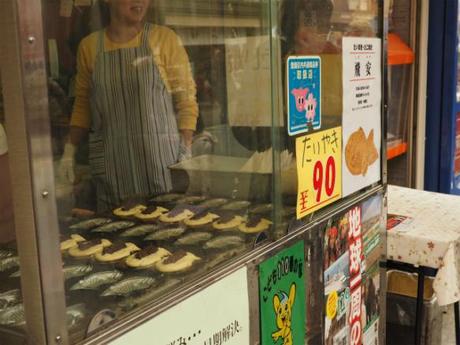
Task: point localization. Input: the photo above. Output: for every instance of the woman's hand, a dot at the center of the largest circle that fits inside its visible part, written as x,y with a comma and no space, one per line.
185,146
66,167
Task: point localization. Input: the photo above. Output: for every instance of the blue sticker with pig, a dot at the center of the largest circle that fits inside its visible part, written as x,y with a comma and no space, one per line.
304,94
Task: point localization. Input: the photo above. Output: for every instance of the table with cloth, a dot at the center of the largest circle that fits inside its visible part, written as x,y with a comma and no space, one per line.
427,239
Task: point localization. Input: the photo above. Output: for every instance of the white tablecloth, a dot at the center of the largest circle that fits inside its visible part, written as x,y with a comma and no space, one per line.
430,237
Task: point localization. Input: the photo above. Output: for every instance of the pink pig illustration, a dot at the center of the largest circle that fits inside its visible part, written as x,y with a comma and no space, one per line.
300,95
310,108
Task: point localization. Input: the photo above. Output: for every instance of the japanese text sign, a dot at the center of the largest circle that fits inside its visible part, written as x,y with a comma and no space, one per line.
356,255
361,119
282,297
304,93
218,315
351,277
319,170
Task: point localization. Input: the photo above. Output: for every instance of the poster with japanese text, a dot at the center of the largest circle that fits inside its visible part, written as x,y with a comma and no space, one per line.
282,297
371,335
373,227
351,253
303,94
336,281
217,315
361,120
319,170
371,296
373,223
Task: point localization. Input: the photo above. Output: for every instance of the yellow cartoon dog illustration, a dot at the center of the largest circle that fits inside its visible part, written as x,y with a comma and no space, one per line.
283,311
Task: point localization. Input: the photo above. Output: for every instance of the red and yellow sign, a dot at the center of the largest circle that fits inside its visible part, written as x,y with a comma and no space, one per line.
356,255
319,170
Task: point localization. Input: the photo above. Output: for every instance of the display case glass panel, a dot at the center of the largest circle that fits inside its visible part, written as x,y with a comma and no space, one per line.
12,317
401,90
170,148
317,28
161,120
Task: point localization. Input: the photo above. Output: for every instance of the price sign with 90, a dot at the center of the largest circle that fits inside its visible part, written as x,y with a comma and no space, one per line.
319,170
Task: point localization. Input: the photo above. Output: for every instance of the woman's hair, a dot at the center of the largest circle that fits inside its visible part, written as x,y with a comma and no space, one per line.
289,24
317,14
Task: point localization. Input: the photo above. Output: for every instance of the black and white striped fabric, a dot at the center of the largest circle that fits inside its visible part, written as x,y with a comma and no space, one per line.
134,128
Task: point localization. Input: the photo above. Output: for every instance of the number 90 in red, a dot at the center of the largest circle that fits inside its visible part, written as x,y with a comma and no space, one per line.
324,177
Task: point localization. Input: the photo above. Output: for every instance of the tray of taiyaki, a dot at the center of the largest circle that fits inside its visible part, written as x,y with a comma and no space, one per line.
136,248
138,218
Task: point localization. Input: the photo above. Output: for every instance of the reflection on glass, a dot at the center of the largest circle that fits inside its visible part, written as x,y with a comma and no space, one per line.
12,319
162,122
161,119
317,28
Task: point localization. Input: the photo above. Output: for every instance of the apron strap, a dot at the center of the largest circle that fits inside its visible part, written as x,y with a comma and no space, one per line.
145,36
100,42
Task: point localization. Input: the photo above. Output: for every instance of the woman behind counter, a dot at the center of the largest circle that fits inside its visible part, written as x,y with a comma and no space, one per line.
133,78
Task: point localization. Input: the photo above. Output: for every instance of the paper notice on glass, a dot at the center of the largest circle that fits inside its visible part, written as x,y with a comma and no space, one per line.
282,297
361,113
219,312
319,166
65,8
303,78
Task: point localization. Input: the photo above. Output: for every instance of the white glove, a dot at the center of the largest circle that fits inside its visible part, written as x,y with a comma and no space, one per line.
67,164
185,152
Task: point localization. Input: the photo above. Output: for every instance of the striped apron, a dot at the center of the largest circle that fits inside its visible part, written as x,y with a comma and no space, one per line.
134,136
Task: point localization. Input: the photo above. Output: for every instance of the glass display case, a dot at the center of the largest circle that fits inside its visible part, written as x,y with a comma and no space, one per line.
10,296
403,88
150,156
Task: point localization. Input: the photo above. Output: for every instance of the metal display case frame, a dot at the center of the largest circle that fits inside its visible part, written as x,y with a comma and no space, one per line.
24,83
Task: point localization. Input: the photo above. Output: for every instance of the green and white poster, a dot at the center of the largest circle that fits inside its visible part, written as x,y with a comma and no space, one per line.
282,297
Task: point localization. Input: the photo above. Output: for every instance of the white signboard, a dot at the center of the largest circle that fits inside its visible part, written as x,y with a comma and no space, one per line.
217,315
361,113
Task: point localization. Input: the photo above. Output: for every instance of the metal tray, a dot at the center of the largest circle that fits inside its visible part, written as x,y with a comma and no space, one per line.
221,176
